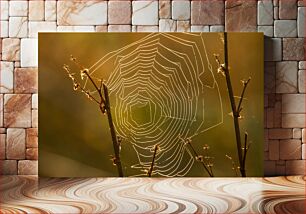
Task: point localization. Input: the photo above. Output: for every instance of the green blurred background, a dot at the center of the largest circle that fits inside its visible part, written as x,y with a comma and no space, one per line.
74,138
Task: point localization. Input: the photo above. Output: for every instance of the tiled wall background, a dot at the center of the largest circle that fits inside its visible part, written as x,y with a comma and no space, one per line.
282,21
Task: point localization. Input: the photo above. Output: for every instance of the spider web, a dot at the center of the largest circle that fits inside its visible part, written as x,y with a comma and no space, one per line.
168,80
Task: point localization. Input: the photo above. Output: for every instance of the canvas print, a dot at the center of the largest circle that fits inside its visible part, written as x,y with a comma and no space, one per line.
150,104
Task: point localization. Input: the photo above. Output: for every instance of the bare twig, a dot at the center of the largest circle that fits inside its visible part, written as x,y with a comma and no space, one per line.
245,84
104,106
156,147
113,132
234,167
199,158
223,68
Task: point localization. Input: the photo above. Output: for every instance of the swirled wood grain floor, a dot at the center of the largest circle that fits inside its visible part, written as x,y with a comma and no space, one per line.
153,195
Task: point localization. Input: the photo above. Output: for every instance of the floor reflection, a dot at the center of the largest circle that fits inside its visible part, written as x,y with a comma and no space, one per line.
154,195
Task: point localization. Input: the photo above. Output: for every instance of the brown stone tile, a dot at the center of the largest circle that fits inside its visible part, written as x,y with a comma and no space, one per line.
287,9
290,149
277,114
301,81
119,12
280,133
293,49
304,135
17,110
293,120
207,12
270,118
8,167
11,49
1,110
32,138
269,168
119,28
2,146
286,77
28,167
2,130
241,15
280,170
26,80
164,9
15,143
295,167
32,154
273,150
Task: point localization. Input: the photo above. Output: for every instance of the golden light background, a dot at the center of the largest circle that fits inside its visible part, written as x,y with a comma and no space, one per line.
74,138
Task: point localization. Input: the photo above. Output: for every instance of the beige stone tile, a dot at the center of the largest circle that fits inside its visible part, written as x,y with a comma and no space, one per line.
180,10
275,13
28,167
141,28
17,110
199,28
183,26
81,12
4,29
302,65
75,29
285,28
101,28
8,167
297,133
34,101
293,103
34,118
295,167
301,22
119,28
18,27
36,27
280,133
18,8
301,81
145,13
11,49
29,53
267,30
36,10
304,135
265,12
119,12
32,138
216,28
6,77
304,151
15,144
26,80
290,149
286,77
164,9
167,25
4,9
50,10
293,120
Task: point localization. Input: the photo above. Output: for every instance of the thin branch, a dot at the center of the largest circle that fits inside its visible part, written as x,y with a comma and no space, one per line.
199,158
233,105
245,84
116,146
153,161
234,167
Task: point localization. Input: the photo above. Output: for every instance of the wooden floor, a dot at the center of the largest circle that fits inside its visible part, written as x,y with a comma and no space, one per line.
152,195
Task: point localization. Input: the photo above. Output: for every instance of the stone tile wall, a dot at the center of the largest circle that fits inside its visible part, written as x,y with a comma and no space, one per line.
282,21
